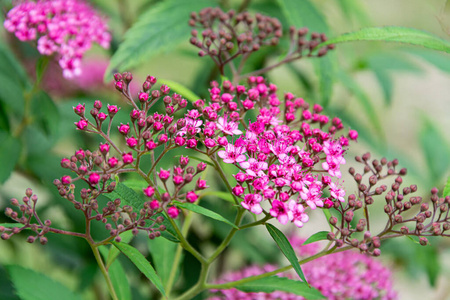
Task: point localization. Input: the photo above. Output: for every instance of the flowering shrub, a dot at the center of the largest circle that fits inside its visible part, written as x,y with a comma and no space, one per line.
271,156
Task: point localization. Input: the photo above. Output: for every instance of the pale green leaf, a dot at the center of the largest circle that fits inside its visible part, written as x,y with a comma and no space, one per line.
204,211
275,283
180,89
393,34
318,236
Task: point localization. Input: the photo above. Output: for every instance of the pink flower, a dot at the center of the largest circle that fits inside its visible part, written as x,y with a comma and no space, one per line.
254,167
251,203
228,127
124,128
336,192
66,27
191,196
112,162
299,217
232,154
279,211
132,142
312,194
104,148
164,174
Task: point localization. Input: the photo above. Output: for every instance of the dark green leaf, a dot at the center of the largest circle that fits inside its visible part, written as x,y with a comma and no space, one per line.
170,232
447,188
318,236
180,89
163,254
119,280
12,68
325,69
31,285
161,28
435,149
127,195
11,94
45,114
286,248
4,118
393,34
203,211
275,283
9,155
142,264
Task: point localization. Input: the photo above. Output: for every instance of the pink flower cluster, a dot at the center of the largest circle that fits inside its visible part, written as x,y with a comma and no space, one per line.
280,155
342,275
65,27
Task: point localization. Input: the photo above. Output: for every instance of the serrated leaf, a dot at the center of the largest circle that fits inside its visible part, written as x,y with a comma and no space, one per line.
275,283
318,236
31,285
203,211
447,188
162,27
119,280
180,89
127,195
141,263
10,149
163,254
12,225
393,34
286,249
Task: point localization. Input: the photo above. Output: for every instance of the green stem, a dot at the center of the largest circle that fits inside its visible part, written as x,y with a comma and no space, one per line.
185,244
100,263
224,178
177,258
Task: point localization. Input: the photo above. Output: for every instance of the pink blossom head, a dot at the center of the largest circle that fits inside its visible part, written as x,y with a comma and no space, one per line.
191,196
82,124
173,212
94,178
65,27
149,191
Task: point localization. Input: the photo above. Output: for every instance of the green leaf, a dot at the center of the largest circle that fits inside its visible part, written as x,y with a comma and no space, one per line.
142,264
119,280
11,94
31,285
275,283
11,67
393,34
12,225
325,70
163,254
45,114
203,211
286,248
180,89
41,66
127,195
318,236
160,28
127,236
447,188
435,149
10,148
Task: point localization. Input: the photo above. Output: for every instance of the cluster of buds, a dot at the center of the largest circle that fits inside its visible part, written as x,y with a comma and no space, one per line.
173,183
225,36
402,219
28,218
